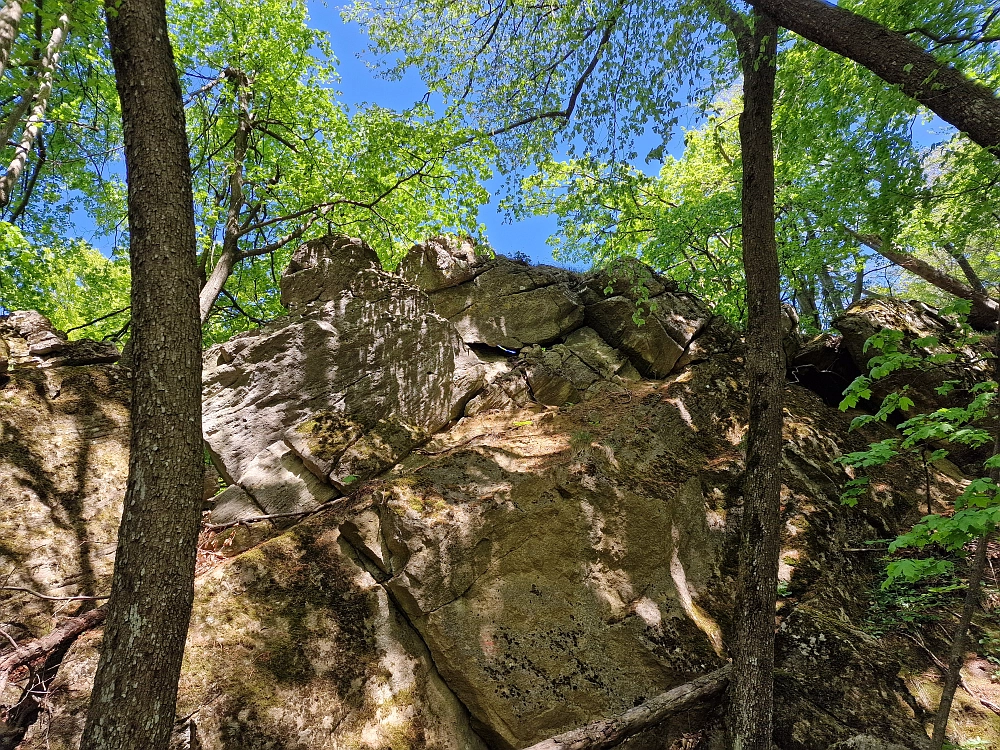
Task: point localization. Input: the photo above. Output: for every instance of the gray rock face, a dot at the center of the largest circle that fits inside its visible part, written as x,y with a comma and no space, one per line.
508,304
64,437
576,370
441,262
526,543
371,350
323,268
279,482
669,323
292,645
28,339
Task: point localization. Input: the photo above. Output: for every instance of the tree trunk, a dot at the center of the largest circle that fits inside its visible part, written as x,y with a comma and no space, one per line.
805,298
231,234
831,295
955,98
751,697
970,273
14,118
859,279
956,659
135,688
46,72
10,20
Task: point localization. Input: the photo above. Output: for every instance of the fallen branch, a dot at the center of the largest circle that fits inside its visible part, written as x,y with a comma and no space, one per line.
607,733
274,516
66,633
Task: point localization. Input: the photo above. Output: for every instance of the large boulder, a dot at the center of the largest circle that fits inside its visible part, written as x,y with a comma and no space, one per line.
64,436
567,564
292,645
363,345
322,268
441,262
637,311
527,541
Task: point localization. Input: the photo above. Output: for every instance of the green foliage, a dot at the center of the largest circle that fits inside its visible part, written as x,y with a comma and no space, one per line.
911,603
69,282
311,165
977,509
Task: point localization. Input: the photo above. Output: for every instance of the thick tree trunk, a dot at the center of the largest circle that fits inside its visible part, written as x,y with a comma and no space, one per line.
955,98
608,733
751,697
135,688
46,72
10,20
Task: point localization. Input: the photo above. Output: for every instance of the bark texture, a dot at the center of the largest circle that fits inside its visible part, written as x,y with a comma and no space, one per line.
10,19
135,688
607,733
968,105
751,698
46,72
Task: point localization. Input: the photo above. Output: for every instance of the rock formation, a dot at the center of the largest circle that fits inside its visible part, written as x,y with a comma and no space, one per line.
527,485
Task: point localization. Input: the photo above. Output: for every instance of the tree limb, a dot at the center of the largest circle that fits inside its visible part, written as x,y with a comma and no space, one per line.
956,98
67,632
984,309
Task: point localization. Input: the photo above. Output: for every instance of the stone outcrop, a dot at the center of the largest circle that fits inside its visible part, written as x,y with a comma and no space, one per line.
361,344
63,463
29,340
512,543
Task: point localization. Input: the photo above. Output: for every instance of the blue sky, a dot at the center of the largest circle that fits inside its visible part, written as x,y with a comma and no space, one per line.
359,84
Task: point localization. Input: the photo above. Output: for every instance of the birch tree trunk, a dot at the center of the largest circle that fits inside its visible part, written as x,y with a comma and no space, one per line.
46,72
10,20
230,240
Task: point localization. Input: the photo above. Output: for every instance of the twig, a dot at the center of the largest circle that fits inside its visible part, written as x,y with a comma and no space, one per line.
98,320
54,598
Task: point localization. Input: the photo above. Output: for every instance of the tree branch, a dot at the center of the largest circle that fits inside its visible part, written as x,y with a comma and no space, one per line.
958,99
984,309
608,733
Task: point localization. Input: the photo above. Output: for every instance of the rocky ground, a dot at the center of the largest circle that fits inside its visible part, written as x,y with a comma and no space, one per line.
527,489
